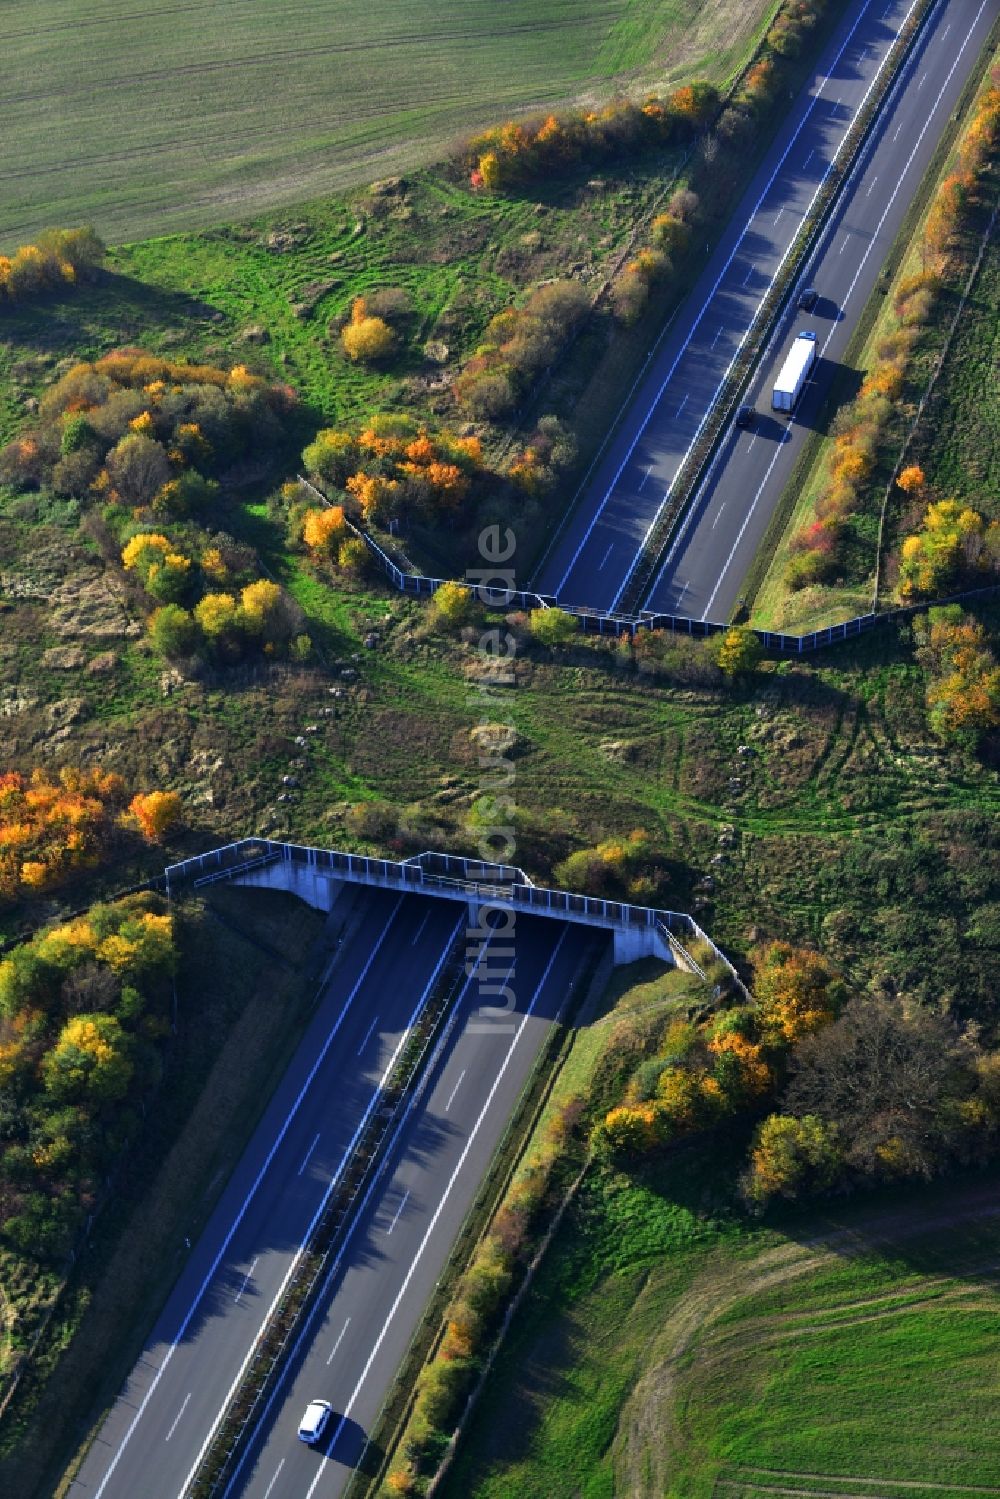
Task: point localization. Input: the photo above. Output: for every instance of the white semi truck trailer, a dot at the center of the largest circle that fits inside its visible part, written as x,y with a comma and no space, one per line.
794,373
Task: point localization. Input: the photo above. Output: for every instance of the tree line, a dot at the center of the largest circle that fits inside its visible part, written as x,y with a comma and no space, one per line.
847,1090
950,544
85,1009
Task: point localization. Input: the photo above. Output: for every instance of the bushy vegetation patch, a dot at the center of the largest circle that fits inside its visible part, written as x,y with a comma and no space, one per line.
669,1339
60,258
147,435
937,537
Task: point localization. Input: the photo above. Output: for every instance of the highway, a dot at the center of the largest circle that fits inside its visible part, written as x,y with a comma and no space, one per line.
152,1440
703,571
597,553
402,1238
236,1268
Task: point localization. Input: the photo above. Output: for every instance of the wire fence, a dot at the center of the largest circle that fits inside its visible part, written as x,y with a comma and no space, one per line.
606,622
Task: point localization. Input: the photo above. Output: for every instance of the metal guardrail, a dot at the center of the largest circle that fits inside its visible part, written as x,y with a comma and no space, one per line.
748,357
625,622
320,1256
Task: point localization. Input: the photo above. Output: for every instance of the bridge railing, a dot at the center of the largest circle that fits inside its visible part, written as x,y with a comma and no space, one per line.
450,875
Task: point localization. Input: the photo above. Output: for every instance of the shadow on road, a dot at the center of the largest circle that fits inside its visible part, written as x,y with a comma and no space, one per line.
353,1449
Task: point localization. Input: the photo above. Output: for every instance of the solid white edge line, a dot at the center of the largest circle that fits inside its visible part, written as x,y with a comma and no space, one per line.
437,1212
335,1178
861,265
246,1203
735,251
334,1270
777,271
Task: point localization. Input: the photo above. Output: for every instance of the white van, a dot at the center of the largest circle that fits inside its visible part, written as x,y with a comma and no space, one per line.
314,1422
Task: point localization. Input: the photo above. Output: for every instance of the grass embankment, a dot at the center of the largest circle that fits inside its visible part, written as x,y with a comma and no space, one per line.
267,289
960,428
670,1347
242,1006
957,442
147,122
851,827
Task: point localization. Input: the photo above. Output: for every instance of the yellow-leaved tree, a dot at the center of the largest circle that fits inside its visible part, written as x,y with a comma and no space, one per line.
367,339
155,813
738,651
89,1061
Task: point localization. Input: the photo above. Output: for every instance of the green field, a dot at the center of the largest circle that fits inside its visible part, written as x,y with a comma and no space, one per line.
958,440
670,1349
167,117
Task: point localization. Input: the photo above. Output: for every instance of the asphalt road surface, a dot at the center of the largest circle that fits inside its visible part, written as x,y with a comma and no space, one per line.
703,571
157,1427
402,1237
597,553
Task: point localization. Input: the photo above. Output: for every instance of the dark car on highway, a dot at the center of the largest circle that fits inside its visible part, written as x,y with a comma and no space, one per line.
808,298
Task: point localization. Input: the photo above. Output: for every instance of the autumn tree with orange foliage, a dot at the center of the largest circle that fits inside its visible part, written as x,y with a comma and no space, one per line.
392,469
155,813
911,479
51,826
963,687
796,991
323,530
